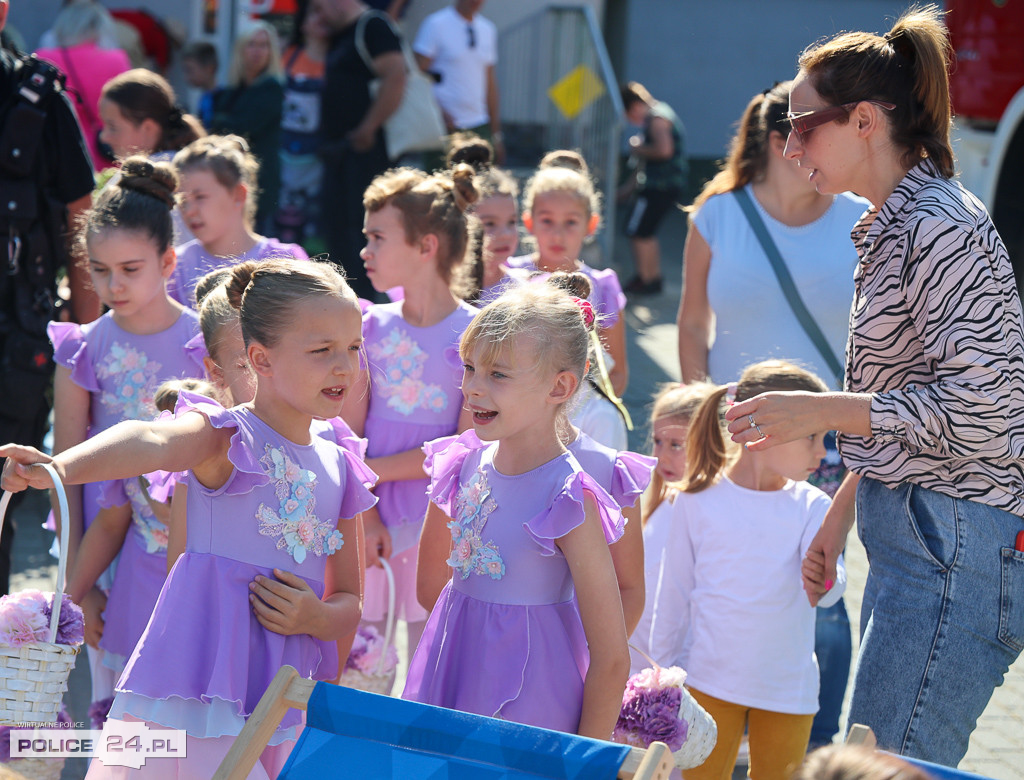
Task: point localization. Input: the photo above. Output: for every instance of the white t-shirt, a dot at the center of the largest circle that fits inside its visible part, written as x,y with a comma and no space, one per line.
655,536
729,606
445,37
597,417
753,319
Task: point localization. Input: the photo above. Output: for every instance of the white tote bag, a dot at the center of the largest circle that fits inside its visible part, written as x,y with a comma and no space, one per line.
417,124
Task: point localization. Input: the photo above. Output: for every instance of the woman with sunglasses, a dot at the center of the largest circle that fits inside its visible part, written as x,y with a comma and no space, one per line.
932,420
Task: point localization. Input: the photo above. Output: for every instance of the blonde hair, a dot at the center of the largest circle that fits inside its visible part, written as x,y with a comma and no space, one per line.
853,762
557,178
707,452
266,292
215,310
166,396
434,204
546,314
673,402
908,66
228,158
236,70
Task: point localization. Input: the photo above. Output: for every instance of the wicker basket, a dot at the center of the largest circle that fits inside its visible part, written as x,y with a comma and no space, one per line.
32,769
702,731
34,676
379,681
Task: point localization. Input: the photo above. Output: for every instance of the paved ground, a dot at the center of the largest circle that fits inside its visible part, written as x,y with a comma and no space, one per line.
998,743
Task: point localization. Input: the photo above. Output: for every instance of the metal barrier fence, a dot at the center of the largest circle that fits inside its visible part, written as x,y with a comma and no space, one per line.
558,91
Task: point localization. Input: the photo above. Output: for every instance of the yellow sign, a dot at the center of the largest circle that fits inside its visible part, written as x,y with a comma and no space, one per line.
576,90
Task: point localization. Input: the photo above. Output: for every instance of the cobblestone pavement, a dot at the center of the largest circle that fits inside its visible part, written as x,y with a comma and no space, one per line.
997,746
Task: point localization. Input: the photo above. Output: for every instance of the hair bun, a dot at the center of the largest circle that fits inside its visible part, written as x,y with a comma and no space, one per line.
464,187
472,150
239,280
573,282
157,180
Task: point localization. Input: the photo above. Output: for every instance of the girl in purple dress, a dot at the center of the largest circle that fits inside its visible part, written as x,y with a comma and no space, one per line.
416,235
561,209
108,370
526,622
271,571
218,187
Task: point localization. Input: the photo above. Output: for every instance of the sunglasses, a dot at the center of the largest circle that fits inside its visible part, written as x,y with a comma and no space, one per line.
802,124
472,36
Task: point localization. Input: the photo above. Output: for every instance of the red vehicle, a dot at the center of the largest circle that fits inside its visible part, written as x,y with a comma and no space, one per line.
987,84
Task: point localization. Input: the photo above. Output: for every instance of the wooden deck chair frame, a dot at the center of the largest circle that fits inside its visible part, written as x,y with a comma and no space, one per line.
288,690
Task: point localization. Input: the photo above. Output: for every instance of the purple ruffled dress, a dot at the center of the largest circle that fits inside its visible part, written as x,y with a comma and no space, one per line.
624,474
122,371
194,263
415,397
607,296
141,571
505,638
204,660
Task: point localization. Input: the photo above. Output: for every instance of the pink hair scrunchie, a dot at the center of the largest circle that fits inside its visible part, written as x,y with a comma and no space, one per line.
586,309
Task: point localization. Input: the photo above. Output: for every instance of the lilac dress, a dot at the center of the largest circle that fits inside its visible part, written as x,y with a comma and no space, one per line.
204,660
194,263
607,296
625,475
505,638
415,396
122,371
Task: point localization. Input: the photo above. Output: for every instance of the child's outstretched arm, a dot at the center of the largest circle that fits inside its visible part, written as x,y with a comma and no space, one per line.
409,464
287,605
126,450
432,570
593,575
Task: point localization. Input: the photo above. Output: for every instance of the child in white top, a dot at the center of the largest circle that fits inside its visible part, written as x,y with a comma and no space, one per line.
670,421
729,605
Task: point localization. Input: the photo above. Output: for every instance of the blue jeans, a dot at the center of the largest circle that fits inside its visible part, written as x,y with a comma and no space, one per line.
833,646
942,617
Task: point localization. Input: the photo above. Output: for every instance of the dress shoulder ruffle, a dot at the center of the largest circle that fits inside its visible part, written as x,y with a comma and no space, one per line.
631,474
71,350
443,463
567,512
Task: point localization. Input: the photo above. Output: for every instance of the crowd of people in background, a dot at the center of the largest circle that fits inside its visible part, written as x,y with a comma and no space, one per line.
429,392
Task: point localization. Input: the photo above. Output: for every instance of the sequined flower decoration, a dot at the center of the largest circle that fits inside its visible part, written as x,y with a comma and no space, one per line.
401,362
294,522
130,379
470,555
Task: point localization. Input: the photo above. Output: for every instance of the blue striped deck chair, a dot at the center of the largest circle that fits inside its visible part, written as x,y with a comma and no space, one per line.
863,735
351,733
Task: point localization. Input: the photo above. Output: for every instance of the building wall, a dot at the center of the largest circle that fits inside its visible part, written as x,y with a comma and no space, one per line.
707,59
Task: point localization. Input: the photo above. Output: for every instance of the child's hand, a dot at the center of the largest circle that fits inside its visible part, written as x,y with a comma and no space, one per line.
814,574
286,605
18,473
92,606
378,540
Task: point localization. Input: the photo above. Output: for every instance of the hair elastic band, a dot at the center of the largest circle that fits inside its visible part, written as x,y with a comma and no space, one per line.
730,393
586,309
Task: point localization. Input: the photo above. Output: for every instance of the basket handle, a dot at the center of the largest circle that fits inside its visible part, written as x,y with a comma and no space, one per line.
389,626
65,538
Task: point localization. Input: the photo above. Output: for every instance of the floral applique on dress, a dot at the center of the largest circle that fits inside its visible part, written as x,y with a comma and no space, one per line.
294,521
472,507
132,382
149,526
401,360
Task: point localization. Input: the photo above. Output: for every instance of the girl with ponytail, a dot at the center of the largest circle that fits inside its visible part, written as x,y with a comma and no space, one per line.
729,606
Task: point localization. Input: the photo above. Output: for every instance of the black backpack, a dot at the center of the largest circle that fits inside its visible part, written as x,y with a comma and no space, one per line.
33,223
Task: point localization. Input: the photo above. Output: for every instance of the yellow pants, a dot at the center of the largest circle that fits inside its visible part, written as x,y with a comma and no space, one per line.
778,741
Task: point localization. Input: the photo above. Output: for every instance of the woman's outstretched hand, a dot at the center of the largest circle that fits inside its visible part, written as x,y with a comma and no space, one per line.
768,419
18,473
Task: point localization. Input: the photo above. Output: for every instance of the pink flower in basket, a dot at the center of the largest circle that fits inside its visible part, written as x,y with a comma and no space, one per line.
366,652
25,618
650,709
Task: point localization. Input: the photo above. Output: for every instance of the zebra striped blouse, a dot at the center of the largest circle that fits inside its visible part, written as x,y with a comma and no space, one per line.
936,336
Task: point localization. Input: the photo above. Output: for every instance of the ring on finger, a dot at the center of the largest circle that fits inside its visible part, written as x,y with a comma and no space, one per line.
752,423
759,431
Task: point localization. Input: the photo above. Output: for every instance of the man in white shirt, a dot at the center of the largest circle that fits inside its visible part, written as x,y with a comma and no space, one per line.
459,47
